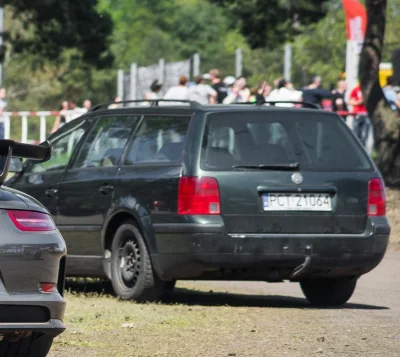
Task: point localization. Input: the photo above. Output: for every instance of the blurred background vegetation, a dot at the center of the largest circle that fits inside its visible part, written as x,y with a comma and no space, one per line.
142,31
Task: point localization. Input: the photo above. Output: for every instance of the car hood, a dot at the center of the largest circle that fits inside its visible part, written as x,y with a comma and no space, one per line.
13,199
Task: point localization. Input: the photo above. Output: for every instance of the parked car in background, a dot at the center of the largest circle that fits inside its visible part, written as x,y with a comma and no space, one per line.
32,264
145,196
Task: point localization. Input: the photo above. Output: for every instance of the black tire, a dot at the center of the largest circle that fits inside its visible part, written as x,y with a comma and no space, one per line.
328,292
132,273
36,345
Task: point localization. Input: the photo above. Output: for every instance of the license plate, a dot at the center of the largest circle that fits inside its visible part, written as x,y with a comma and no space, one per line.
296,202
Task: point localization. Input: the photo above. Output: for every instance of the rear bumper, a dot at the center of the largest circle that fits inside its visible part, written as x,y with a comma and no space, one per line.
192,254
51,328
36,312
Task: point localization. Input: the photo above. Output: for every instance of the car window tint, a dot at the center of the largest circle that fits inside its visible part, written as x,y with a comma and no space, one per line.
104,145
314,140
158,140
63,146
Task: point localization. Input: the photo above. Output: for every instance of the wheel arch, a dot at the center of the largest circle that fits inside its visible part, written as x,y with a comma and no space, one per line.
143,223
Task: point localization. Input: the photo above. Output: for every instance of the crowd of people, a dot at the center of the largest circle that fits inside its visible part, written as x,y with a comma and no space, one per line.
69,111
230,90
211,88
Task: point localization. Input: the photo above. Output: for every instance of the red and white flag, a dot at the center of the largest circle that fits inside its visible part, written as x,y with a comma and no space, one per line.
356,25
356,20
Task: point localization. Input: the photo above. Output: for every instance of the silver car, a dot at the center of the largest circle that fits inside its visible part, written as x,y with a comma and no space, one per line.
32,264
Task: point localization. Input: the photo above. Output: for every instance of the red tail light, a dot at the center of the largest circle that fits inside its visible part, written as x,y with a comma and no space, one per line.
48,288
30,221
376,198
198,195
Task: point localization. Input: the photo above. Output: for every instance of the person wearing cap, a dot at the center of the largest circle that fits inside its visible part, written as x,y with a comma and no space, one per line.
219,86
229,81
239,93
202,93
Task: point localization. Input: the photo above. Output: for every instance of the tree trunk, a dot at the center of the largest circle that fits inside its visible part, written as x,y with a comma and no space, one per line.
385,121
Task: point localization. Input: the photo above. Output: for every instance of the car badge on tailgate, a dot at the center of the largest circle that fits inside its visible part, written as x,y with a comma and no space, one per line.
297,178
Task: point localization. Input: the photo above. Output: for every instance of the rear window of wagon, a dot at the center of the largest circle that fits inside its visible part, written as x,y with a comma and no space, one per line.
317,141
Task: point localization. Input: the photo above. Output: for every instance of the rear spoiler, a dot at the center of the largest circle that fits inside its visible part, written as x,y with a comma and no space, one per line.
10,149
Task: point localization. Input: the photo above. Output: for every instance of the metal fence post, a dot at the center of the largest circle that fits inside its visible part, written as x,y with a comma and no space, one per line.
43,129
161,70
7,127
120,84
196,64
161,75
133,81
287,66
239,63
24,131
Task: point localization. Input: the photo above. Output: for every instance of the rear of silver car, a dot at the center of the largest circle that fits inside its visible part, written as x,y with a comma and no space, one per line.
32,268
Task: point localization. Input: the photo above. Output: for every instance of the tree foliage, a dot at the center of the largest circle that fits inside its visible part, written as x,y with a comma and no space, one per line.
174,30
46,28
269,23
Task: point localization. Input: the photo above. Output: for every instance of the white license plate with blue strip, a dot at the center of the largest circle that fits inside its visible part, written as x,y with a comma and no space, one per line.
297,202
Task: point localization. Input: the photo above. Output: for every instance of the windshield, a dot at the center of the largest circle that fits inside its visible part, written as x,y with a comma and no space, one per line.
304,140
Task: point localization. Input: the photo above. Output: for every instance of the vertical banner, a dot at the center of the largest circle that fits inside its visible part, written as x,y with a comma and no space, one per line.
356,25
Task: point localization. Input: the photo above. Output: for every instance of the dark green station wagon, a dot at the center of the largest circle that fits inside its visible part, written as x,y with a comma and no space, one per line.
147,195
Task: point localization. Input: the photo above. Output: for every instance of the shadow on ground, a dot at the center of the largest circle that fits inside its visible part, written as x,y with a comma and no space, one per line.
195,297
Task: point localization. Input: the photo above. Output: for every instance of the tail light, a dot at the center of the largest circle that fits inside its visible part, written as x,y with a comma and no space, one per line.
30,221
198,195
376,198
48,288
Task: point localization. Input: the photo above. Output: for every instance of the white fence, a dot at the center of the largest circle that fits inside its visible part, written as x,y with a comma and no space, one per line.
24,117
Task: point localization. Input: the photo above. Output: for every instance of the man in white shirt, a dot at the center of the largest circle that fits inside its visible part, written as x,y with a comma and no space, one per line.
75,111
202,93
285,93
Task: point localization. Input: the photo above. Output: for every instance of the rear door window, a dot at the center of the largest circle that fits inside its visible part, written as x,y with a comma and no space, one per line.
158,140
105,143
317,141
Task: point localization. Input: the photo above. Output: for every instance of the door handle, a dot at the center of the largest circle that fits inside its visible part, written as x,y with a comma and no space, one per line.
106,189
51,193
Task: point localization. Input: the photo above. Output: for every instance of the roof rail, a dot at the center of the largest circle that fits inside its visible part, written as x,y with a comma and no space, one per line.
153,103
273,103
304,104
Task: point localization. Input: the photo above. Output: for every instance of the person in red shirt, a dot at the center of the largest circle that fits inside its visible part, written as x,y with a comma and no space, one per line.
357,101
362,127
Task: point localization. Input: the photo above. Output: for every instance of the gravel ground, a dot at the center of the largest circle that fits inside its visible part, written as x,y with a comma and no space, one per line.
237,319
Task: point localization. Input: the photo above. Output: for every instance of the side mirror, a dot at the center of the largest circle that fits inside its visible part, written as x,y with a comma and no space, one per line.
16,165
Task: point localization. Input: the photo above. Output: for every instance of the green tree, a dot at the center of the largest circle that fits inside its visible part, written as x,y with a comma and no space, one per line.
269,23
46,28
174,30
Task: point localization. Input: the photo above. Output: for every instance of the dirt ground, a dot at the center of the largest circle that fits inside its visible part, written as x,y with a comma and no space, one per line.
239,319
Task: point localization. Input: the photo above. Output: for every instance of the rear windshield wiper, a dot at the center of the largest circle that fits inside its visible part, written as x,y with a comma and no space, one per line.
290,166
